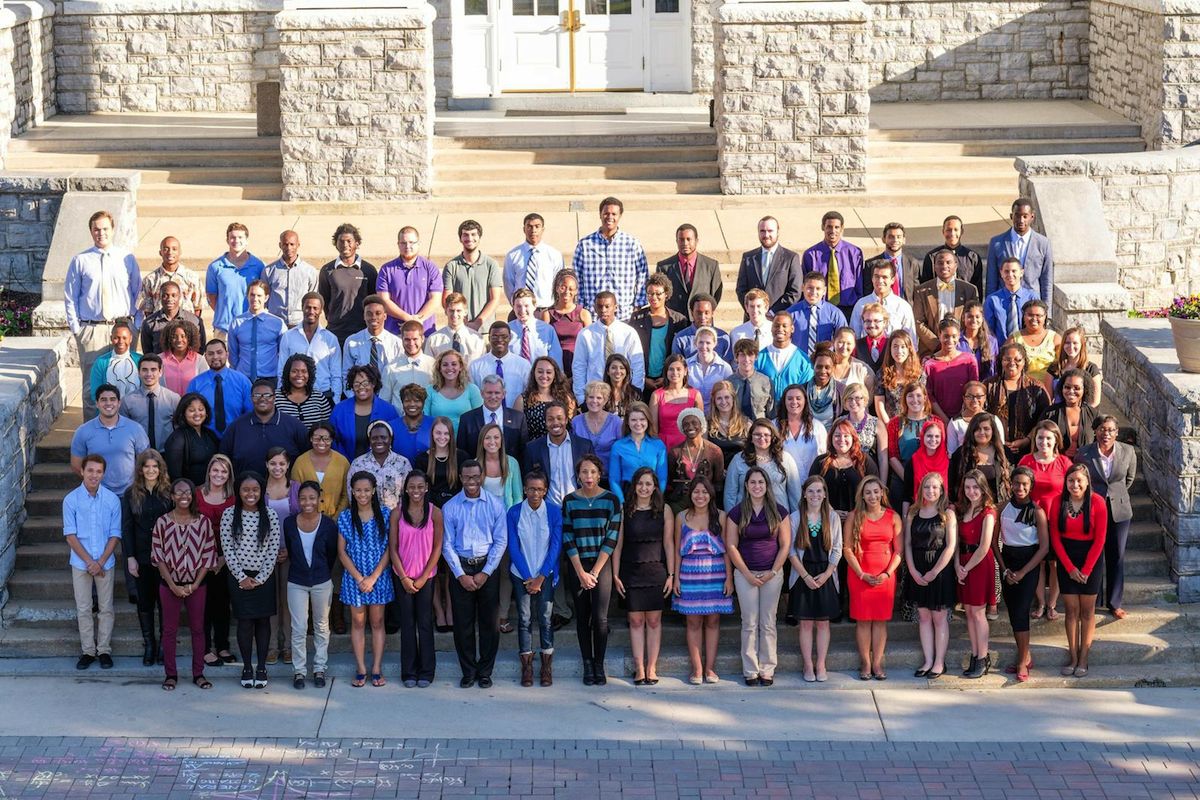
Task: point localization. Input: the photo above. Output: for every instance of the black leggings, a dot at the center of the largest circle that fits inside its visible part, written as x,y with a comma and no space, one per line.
1018,597
216,611
251,632
591,612
147,588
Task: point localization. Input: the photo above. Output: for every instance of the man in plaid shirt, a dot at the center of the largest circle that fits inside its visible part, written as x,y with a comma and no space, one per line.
611,260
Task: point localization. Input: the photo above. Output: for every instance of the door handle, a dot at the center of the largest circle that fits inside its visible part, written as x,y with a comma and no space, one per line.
570,21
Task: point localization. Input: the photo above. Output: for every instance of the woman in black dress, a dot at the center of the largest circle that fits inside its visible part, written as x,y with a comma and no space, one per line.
440,465
728,427
930,543
142,504
642,570
816,553
192,444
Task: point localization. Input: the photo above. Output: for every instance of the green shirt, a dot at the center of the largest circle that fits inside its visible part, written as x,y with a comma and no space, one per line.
473,281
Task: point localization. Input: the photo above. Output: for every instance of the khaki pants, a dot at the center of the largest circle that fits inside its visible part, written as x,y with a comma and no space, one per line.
759,604
93,640
92,340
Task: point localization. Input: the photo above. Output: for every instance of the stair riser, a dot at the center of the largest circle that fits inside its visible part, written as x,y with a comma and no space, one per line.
165,191
138,160
567,156
147,144
536,188
997,184
997,149
1107,130
551,173
501,142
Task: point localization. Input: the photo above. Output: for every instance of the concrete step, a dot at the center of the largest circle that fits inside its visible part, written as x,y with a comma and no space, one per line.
1004,147
150,159
212,191
1005,184
533,187
613,141
958,133
924,167
85,144
551,173
237,176
591,103
455,156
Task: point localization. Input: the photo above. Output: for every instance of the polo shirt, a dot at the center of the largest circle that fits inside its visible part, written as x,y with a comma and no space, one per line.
228,282
473,281
119,445
409,288
247,440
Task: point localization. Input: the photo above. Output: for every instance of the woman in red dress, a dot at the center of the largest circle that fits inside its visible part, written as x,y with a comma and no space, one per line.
1049,467
976,565
872,548
1078,526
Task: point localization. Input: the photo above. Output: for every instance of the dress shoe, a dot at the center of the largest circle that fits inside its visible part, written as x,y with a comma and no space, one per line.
466,682
105,660
485,682
85,661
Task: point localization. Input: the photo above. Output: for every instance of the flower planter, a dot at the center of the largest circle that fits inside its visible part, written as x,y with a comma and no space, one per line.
1186,333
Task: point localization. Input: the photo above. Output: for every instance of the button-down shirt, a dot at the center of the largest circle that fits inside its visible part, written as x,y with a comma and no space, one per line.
228,282
829,319
533,532
177,373
548,263
543,341
248,439
235,387
617,265
746,331
254,344
474,282
389,476
562,470
685,343
900,315
187,281
323,348
442,340
512,368
850,269
687,268
119,445
997,307
945,297
475,527
1020,243
357,350
152,328
409,287
288,287
590,355
136,406
93,520
84,281
702,378
405,370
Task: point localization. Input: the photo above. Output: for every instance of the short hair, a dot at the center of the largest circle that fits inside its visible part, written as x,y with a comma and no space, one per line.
413,391
813,275
832,215
94,458
374,300
122,323
1102,419
213,341
323,425
687,226
1011,260
151,358
706,330
530,217
945,251
312,296
107,387
367,371
954,218
468,464
598,386
524,292
557,404
876,264
536,474
768,218
701,297
268,382
893,226
1022,202
611,201
261,284
499,325
756,294
411,325
871,308
454,299
346,228
169,285
589,458
236,226
606,295
657,279
745,347
99,215
470,225
409,229
493,378
1037,302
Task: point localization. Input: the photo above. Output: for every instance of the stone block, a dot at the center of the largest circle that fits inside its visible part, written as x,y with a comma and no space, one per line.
148,43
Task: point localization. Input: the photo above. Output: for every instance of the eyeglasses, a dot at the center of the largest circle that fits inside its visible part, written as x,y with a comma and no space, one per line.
974,396
362,385
322,439
262,395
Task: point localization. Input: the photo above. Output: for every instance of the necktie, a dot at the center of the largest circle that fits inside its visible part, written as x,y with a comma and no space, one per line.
375,352
531,272
897,284
812,330
766,265
1012,315
875,348
153,422
499,368
833,279
943,286
219,402
747,406
493,421
1020,248
254,349
526,352
757,337
610,346
456,343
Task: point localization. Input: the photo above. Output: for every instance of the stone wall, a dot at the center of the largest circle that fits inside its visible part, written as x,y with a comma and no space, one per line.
164,55
28,211
978,49
31,397
1151,202
356,95
1164,406
703,56
26,68
791,96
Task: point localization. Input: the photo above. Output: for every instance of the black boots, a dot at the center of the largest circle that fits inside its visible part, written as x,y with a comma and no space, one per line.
149,643
589,677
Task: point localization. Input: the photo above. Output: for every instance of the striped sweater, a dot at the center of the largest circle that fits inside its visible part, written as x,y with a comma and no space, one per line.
590,526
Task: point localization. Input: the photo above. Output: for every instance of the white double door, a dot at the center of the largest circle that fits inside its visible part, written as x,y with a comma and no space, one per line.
570,45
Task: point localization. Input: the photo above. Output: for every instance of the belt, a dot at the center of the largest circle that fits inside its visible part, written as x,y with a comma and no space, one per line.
967,549
473,562
97,321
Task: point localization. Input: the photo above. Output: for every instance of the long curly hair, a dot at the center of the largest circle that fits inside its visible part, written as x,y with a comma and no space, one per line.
893,374
168,331
560,387
856,455
775,449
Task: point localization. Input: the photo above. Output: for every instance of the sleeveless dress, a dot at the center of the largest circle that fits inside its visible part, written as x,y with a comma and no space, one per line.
668,416
814,604
567,326
928,541
873,603
643,562
701,574
1040,357
364,551
979,587
413,546
535,418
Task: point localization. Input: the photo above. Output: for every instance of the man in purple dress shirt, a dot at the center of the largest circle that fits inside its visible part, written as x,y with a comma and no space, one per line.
847,289
411,285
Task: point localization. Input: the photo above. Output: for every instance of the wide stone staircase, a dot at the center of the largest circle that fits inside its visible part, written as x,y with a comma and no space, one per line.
1154,645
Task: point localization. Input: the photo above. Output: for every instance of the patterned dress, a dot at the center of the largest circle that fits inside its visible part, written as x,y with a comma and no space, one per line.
535,418
701,574
365,550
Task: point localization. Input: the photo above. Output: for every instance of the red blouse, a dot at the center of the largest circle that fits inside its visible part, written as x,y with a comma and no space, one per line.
1074,530
1047,478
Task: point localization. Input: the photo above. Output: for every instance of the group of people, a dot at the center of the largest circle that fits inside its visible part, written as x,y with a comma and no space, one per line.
879,436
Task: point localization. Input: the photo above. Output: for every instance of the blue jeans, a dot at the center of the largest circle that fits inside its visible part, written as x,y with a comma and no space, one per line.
543,602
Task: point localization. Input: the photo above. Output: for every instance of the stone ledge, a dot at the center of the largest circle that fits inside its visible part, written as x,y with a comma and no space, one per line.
1148,344
356,19
1097,298
82,180
1110,163
1185,7
819,13
18,12
120,7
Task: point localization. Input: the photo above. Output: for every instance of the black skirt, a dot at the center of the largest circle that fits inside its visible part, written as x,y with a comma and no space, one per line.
1077,550
942,591
814,604
256,603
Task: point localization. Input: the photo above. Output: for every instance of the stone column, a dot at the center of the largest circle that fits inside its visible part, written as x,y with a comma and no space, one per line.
791,96
356,102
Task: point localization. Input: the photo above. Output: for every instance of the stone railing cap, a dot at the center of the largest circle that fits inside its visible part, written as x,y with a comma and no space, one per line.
80,180
1188,7
16,12
419,15
1151,161
106,7
742,13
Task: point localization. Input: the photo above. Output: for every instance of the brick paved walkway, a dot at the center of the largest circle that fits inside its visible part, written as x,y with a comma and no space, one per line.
295,768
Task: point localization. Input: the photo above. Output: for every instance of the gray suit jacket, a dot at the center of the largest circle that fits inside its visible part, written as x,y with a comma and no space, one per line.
1116,487
762,395
1039,264
784,282
707,280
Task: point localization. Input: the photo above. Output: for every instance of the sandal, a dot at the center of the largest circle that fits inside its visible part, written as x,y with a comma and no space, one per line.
227,658
216,662
378,680
202,682
169,683
506,626
1037,612
1052,613
360,680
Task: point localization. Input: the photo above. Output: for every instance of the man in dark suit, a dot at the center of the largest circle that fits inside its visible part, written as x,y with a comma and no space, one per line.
659,291
907,267
689,272
1031,248
772,268
545,453
970,266
945,294
871,347
516,431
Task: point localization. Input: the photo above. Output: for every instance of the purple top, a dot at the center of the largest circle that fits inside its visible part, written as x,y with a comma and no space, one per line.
409,288
757,543
850,269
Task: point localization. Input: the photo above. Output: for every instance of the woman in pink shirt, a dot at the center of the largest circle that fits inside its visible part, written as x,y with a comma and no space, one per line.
948,371
181,357
416,539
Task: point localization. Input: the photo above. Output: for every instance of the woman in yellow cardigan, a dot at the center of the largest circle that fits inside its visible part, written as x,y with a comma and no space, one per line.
328,468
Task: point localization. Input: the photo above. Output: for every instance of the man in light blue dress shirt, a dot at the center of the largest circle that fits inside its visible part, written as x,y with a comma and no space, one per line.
1030,248
92,528
476,535
254,336
290,279
310,339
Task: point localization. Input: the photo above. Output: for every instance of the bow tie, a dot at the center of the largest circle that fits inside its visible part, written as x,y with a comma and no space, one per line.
945,287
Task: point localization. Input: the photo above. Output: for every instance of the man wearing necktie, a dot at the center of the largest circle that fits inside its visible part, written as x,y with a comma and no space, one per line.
815,319
501,362
1031,250
751,388
771,267
907,268
532,264
152,405
934,299
254,336
1002,308
839,261
512,422
226,390
689,272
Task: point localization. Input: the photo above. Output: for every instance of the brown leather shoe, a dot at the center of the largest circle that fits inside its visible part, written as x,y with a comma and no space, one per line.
547,669
527,669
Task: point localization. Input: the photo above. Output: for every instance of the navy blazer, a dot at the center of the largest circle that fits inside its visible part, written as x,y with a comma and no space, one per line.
516,431
342,420
549,567
324,554
537,453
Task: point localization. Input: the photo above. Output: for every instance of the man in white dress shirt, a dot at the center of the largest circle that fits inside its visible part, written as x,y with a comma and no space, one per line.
900,313
596,342
756,305
101,286
310,339
455,335
532,337
413,366
532,264
502,362
374,345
